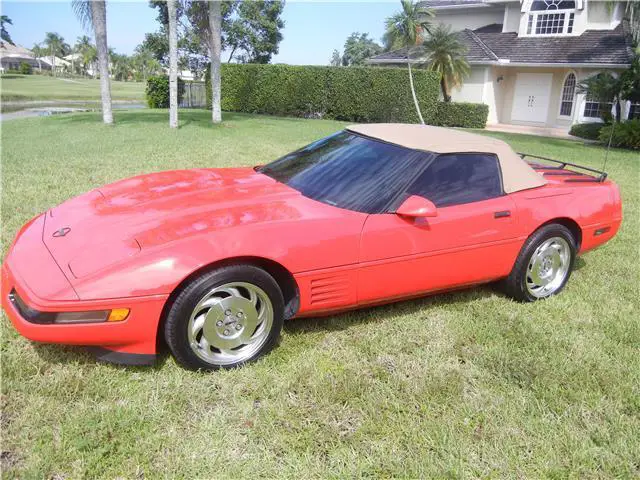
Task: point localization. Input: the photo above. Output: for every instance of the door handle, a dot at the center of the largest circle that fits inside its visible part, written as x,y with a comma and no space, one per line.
502,214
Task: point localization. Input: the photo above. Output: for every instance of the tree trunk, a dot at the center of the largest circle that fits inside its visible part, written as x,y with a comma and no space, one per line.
173,64
618,111
413,92
99,17
445,90
215,49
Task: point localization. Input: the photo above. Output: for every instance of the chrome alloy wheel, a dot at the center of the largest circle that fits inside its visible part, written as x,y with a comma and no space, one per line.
230,323
548,267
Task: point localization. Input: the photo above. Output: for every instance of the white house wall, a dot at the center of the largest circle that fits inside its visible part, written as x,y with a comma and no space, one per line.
472,89
472,19
511,22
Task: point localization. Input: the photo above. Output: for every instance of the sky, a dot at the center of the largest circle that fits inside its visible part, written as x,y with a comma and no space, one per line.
312,29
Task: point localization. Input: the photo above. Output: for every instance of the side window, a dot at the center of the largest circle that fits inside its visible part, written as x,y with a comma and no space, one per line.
453,179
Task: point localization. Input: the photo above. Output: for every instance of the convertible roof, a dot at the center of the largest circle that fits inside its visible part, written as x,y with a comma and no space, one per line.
516,173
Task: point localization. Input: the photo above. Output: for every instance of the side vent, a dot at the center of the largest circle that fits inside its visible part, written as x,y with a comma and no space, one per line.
330,290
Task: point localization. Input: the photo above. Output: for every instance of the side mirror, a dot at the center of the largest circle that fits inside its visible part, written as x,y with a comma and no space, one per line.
417,207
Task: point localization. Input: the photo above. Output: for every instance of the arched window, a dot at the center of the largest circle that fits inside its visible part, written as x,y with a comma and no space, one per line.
568,92
551,17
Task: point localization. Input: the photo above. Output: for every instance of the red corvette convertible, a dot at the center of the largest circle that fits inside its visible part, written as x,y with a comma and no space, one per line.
213,261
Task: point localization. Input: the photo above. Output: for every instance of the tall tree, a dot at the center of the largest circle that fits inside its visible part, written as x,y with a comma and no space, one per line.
336,59
445,54
83,48
94,13
38,52
173,64
215,50
206,21
55,46
406,29
4,34
357,48
252,31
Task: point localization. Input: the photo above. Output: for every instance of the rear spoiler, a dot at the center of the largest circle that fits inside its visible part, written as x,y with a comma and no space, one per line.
602,176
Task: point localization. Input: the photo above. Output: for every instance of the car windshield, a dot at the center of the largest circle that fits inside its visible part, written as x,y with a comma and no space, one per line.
348,171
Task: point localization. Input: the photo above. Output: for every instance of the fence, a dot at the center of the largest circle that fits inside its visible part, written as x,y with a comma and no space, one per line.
194,95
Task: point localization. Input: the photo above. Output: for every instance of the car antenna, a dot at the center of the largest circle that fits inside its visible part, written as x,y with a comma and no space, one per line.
606,154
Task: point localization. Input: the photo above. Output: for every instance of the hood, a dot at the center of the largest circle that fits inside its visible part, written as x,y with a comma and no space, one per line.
118,220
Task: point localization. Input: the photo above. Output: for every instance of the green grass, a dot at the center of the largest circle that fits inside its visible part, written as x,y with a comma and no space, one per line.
43,87
466,384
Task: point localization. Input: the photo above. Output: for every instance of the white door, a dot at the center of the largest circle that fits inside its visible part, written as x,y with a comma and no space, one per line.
531,97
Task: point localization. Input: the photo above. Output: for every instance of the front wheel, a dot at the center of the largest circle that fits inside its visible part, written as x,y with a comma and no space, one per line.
225,318
544,264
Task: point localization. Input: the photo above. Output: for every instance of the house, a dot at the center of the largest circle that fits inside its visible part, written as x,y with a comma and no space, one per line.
61,65
527,56
11,56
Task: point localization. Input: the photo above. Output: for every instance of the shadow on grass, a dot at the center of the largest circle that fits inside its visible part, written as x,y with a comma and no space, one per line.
343,321
195,117
52,353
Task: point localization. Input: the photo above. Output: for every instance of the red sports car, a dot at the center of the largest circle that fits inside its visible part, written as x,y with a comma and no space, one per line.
213,261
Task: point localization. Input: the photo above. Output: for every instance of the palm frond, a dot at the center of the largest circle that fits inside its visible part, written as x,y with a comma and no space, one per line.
82,10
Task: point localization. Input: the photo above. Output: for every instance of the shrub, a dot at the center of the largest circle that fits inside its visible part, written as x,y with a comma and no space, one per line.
590,131
25,68
357,94
625,134
157,91
467,115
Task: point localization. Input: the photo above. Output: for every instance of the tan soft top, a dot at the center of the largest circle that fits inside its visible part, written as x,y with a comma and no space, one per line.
516,173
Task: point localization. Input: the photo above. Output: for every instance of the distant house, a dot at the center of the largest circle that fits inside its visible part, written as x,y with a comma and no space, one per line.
11,56
61,64
527,56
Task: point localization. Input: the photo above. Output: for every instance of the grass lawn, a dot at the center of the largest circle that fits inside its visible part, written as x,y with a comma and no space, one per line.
43,87
466,384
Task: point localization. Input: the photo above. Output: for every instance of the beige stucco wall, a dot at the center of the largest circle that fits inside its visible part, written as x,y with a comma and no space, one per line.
512,14
472,89
469,18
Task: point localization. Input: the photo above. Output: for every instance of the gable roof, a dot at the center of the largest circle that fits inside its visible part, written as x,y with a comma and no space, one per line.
488,45
516,173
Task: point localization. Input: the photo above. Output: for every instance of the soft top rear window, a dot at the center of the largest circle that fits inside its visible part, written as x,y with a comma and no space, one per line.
349,171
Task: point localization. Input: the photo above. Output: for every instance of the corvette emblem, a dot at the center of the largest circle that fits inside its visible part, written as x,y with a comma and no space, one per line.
62,232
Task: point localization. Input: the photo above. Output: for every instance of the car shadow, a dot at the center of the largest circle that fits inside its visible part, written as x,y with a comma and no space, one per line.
343,321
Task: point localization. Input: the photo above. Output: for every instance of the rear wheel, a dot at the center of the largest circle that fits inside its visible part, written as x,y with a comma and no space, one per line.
544,264
225,318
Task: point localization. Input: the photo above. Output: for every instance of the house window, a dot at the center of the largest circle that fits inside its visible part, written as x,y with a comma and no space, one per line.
634,111
595,109
568,92
551,17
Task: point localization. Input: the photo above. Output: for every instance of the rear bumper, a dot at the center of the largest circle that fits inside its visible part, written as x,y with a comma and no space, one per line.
598,234
132,341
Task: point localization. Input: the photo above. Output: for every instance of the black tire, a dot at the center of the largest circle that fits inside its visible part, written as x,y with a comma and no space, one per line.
177,322
515,285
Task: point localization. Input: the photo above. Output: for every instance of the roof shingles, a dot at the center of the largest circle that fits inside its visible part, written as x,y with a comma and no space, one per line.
489,45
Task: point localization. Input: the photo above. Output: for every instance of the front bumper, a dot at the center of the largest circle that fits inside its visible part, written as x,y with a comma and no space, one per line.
132,341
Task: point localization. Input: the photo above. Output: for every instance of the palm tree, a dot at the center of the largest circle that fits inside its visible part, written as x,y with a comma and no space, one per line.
173,64
4,34
605,89
55,46
215,51
406,29
38,52
94,13
83,46
445,54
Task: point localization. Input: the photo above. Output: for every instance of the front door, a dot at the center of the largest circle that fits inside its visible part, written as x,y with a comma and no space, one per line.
531,97
472,239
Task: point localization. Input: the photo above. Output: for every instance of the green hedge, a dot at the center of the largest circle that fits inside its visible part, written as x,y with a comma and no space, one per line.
157,91
357,94
466,115
590,131
625,134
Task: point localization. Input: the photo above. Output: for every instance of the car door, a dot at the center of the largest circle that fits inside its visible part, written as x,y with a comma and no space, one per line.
472,238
